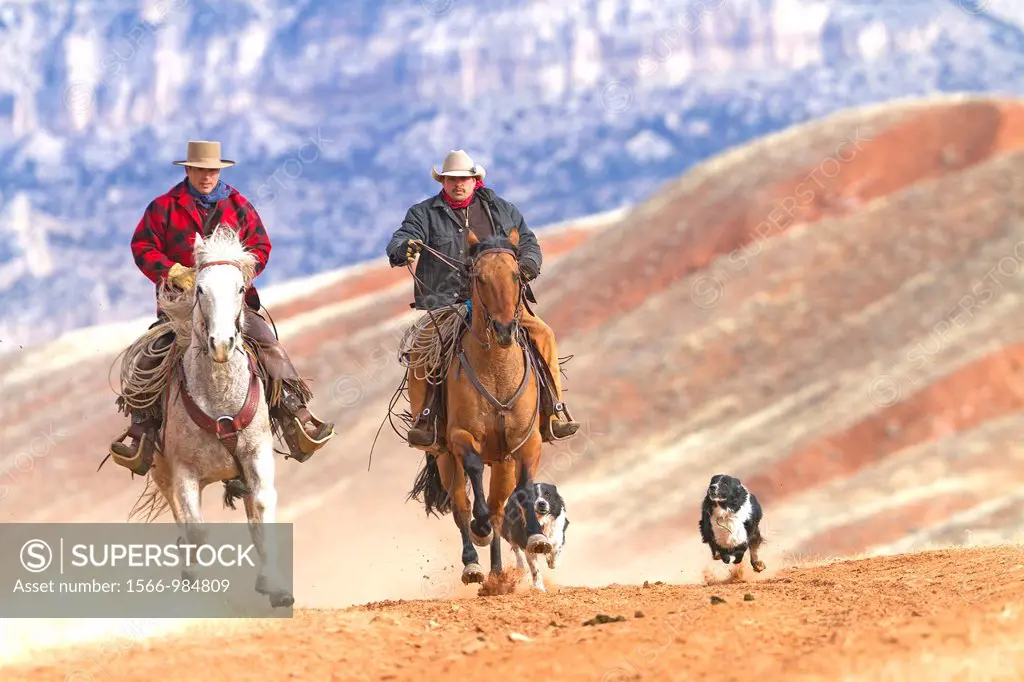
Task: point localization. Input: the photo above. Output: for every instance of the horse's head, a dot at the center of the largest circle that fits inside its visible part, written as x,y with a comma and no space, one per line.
224,270
496,283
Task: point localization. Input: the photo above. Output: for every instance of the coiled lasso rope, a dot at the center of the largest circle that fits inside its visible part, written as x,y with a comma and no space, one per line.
141,388
429,353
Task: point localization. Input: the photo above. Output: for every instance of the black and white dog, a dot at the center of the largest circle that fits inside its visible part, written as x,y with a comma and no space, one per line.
730,521
550,509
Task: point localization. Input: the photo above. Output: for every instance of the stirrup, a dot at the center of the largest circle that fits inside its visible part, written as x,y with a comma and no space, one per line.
138,462
547,428
420,434
303,442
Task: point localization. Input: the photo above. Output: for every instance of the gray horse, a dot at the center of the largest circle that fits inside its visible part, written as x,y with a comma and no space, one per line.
216,376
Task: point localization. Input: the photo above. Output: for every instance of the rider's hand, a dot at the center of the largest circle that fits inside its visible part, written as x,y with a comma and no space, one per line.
527,270
412,250
181,276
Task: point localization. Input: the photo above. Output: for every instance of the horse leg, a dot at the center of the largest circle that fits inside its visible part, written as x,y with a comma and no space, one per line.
480,528
186,504
503,483
261,509
537,542
453,478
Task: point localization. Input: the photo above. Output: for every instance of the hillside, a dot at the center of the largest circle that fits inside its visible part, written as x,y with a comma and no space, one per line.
856,365
574,108
943,616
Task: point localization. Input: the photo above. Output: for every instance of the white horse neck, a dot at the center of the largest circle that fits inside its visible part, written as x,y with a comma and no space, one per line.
217,387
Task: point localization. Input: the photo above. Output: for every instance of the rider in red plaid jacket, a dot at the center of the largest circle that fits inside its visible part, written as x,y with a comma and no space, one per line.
168,228
162,248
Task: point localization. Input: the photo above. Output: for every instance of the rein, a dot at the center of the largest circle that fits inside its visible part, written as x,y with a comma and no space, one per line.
487,314
225,427
238,324
503,409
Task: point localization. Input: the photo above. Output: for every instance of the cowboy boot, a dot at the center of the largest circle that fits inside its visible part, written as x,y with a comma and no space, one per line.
303,432
423,433
562,428
137,455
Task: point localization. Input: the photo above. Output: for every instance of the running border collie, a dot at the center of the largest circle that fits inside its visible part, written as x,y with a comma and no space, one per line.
730,521
551,512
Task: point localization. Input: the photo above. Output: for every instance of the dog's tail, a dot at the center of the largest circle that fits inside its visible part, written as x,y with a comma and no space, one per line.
429,489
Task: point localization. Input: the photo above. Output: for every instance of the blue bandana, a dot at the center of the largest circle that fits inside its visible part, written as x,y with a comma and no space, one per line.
221,191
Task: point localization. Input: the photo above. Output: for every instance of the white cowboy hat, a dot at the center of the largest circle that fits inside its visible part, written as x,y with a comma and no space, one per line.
204,154
458,164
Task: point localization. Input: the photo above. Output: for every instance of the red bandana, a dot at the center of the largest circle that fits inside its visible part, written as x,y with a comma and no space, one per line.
465,202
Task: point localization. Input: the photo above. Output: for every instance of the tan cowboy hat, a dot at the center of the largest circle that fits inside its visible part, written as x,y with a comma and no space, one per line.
458,164
204,154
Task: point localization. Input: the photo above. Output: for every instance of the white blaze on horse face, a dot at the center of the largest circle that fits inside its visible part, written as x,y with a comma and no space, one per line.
220,290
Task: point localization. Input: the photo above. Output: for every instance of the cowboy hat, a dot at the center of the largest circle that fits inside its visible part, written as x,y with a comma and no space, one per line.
204,154
458,164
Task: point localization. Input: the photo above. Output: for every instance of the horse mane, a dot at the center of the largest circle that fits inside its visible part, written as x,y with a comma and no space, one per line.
494,241
222,245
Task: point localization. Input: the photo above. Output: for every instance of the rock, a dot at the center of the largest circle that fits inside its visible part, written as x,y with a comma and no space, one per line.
715,599
601,619
748,597
516,637
638,614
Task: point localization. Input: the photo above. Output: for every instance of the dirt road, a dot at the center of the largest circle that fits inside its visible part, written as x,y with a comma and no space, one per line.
945,615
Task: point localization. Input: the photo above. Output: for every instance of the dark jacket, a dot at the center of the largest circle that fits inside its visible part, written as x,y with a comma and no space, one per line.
434,223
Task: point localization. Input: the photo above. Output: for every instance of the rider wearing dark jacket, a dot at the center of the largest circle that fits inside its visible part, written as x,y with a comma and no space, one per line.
443,223
433,222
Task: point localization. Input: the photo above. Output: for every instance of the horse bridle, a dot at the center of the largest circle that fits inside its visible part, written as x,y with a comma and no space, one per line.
488,320
238,320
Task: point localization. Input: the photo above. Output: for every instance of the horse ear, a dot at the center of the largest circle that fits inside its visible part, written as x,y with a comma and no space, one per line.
472,239
513,237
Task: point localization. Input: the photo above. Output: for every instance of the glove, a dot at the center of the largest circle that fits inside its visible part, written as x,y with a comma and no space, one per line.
412,250
528,270
181,276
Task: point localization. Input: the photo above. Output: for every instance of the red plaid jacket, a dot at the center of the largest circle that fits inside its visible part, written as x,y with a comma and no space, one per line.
169,226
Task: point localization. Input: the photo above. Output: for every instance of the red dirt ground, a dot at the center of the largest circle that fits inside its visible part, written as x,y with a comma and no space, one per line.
933,615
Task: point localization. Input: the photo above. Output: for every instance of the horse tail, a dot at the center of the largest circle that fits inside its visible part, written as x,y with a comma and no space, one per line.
429,490
151,503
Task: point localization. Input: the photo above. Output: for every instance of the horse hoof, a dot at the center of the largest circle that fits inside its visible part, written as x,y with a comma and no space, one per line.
278,597
281,598
472,574
480,541
758,566
538,544
481,532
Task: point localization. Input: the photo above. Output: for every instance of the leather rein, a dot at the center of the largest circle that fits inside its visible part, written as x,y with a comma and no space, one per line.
225,427
503,409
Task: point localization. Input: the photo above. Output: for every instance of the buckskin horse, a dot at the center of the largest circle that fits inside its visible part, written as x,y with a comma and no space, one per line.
492,401
216,423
